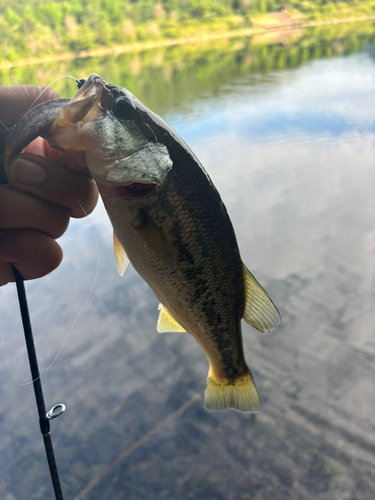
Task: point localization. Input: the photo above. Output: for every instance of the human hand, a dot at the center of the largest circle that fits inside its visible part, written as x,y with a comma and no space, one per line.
42,194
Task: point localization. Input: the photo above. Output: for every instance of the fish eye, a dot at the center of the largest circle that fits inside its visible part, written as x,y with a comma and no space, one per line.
123,109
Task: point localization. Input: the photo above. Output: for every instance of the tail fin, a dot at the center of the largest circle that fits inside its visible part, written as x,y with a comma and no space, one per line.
240,394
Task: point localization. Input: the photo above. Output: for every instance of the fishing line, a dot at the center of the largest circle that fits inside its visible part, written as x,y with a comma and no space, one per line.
74,321
6,128
48,86
95,277
57,410
92,286
44,417
81,495
39,96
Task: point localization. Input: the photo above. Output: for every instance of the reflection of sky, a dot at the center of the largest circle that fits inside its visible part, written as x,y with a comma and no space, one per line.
299,122
302,103
294,163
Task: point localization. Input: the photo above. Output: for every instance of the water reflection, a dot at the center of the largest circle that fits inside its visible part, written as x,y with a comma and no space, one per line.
292,155
173,77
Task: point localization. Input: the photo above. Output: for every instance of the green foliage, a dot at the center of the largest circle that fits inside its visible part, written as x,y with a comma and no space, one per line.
12,17
161,76
30,28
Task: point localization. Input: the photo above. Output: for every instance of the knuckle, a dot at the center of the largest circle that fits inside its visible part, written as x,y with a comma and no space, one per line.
32,252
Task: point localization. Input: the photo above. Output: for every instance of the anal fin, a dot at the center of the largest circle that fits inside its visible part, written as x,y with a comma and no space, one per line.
120,255
166,323
259,312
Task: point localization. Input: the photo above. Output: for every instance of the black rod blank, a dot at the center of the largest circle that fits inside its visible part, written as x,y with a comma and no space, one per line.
37,384
33,362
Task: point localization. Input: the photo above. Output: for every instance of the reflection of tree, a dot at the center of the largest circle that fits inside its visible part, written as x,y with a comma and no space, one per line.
163,76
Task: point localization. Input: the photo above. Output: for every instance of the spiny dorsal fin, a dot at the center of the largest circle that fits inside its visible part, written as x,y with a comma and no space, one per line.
121,257
259,311
155,239
166,323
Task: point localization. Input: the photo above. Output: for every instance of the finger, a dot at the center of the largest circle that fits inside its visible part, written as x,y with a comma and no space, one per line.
41,147
52,181
75,160
15,101
34,254
25,211
6,273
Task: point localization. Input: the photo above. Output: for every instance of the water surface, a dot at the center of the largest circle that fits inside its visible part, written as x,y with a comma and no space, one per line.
292,153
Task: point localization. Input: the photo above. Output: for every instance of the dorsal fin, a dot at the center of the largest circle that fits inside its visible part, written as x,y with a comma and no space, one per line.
120,255
259,312
166,323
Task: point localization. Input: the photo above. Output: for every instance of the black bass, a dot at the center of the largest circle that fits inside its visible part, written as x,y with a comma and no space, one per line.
169,222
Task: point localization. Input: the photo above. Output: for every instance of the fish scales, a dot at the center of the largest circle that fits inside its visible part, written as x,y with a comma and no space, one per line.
205,293
170,223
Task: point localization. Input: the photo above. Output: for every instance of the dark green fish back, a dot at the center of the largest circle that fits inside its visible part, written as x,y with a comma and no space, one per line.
195,222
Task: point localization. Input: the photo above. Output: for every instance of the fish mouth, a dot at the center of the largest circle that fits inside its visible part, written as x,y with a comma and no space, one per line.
83,107
92,86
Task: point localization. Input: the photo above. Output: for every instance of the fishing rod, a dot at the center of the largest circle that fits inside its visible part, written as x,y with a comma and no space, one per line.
57,410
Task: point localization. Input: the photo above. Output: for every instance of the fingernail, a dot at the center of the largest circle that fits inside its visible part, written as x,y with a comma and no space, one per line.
27,172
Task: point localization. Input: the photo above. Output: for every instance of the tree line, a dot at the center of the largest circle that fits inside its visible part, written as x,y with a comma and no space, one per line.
30,28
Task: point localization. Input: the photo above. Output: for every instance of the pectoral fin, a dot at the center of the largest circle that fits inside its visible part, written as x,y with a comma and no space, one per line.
156,241
259,312
121,257
166,323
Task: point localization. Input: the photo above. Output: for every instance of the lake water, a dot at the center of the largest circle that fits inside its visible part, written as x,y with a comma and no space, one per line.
292,152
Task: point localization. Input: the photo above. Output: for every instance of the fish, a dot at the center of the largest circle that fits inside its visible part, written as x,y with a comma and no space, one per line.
169,222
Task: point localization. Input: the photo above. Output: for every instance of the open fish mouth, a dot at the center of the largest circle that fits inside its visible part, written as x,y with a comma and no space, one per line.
92,86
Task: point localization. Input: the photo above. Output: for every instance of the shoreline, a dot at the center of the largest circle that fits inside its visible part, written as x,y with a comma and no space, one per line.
148,45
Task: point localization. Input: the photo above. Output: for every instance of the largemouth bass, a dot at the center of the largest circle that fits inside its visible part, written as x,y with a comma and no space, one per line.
169,222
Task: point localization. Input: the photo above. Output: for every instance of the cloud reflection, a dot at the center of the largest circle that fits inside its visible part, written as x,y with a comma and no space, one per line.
294,164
